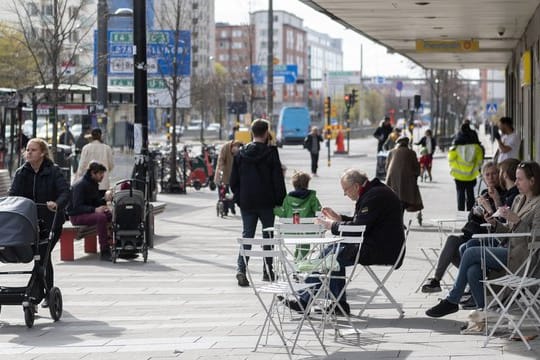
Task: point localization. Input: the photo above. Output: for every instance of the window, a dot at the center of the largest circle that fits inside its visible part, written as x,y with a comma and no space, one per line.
237,45
33,9
276,18
73,12
195,6
223,57
47,9
237,33
74,36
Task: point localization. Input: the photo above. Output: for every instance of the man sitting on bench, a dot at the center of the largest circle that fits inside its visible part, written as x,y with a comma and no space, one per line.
88,207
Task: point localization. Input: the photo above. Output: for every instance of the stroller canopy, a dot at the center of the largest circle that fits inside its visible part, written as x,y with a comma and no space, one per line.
18,221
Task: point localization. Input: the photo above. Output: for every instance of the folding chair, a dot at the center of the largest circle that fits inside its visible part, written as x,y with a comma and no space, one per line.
302,230
431,254
273,247
519,289
381,282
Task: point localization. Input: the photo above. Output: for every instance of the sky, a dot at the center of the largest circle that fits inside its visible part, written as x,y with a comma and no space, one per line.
376,61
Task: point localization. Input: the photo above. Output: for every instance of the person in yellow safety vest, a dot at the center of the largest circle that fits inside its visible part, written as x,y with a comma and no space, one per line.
465,159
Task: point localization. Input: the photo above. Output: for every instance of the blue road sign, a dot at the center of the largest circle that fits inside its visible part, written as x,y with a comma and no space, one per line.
491,108
288,72
160,50
399,85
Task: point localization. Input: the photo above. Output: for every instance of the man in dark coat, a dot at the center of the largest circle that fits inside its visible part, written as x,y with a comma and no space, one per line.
258,186
89,207
379,209
382,132
312,143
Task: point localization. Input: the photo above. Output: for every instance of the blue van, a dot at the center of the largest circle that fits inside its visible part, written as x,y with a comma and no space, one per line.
293,125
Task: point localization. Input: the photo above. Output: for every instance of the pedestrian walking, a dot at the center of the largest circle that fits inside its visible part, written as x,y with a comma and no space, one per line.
402,171
508,143
382,132
465,158
428,143
224,167
96,150
312,143
258,186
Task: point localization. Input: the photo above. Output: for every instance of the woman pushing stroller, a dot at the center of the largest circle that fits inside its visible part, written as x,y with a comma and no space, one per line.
42,181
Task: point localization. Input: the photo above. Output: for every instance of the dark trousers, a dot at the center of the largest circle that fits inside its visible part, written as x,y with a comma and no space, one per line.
314,162
465,194
49,272
249,223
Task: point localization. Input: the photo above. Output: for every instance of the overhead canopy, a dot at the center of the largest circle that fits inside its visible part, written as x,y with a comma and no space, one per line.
443,24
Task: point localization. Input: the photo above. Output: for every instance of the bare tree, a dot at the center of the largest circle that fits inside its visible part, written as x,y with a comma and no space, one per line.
174,15
54,34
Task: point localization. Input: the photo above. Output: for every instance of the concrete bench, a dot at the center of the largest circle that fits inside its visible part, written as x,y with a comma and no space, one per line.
71,232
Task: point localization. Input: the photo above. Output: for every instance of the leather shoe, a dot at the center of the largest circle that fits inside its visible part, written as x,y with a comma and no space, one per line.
242,279
294,305
443,308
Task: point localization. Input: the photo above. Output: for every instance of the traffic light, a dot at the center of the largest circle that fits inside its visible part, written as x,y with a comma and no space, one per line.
354,96
327,106
347,99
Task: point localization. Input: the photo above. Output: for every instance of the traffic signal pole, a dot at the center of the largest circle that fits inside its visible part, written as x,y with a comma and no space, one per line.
328,110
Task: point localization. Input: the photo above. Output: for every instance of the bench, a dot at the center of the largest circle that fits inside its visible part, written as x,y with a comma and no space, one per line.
71,232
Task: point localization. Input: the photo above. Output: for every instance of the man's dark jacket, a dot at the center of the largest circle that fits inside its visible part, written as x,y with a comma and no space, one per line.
257,177
48,184
85,196
379,209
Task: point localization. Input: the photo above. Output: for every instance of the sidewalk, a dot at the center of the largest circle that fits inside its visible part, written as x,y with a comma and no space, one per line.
185,303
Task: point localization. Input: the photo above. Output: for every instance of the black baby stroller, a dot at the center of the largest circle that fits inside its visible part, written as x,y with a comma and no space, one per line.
129,221
225,201
20,243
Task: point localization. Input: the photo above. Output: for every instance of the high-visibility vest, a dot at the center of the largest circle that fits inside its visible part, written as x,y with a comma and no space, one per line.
465,161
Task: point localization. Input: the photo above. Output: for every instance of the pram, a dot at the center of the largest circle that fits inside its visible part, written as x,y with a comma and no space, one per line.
20,243
225,200
129,221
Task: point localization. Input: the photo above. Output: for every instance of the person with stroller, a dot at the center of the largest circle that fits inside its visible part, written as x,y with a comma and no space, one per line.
224,167
382,133
89,207
42,181
97,150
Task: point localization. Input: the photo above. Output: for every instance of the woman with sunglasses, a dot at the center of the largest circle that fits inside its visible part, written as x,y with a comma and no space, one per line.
522,216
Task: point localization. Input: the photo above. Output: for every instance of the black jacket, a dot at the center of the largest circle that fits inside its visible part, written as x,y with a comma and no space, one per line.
257,177
48,184
308,142
379,209
85,196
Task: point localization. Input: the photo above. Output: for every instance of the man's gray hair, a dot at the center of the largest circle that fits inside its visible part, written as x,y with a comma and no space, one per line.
353,176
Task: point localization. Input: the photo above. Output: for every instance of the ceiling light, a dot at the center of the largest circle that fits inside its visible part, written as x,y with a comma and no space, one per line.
430,17
437,28
422,3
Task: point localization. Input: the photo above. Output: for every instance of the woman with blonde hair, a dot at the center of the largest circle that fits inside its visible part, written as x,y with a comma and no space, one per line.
41,180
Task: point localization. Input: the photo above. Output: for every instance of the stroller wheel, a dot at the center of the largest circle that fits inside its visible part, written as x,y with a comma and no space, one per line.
145,254
221,209
29,316
55,303
197,185
212,185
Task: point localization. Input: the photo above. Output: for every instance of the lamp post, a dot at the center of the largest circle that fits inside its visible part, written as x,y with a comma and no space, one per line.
270,63
102,61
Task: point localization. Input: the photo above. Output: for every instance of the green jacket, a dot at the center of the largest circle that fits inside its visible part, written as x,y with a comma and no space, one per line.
304,201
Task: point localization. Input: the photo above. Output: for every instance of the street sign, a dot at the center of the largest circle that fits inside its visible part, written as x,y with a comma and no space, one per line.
160,50
447,45
379,80
491,108
399,85
344,77
283,74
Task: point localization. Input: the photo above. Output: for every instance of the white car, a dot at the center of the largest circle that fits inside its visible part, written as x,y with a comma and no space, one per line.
194,125
213,127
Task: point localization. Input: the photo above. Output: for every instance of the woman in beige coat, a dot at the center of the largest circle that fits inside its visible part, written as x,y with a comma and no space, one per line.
523,216
97,151
402,171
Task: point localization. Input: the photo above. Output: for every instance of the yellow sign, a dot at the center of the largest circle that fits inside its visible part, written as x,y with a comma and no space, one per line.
333,111
447,45
275,61
525,69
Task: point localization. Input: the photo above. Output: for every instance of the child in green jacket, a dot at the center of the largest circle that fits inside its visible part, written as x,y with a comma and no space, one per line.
302,201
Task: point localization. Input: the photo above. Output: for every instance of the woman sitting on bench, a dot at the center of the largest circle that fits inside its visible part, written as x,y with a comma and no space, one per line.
88,207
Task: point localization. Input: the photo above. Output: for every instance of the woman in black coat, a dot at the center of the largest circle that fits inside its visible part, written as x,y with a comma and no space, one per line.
40,180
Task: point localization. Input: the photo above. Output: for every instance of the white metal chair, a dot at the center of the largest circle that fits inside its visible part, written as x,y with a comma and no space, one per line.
303,220
302,230
445,228
284,287
516,290
381,282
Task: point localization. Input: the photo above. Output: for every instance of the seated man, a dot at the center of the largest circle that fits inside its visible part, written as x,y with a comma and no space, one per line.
379,209
88,207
